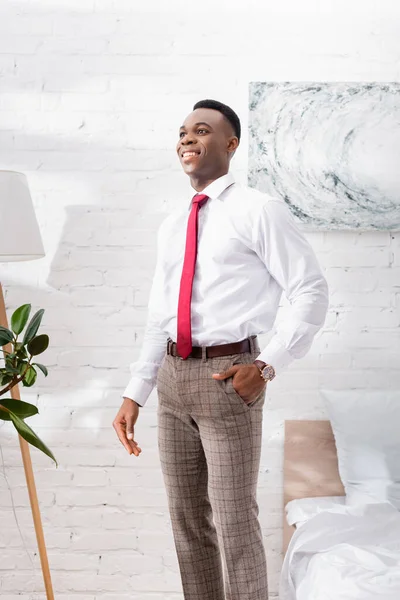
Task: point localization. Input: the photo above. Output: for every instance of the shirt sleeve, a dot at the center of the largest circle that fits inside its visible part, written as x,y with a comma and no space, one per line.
144,370
293,264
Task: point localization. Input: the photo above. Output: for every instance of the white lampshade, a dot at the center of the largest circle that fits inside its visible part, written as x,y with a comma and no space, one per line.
20,237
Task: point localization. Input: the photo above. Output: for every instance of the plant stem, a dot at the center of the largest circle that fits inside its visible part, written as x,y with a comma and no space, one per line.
14,381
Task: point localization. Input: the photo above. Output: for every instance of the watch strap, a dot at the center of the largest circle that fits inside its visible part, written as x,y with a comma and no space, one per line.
261,365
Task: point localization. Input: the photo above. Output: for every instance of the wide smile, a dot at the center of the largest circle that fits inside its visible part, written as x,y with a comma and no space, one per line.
189,155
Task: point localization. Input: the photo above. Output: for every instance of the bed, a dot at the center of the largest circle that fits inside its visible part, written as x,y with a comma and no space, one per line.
310,465
336,552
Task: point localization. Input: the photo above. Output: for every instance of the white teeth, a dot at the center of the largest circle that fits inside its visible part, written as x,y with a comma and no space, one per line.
189,154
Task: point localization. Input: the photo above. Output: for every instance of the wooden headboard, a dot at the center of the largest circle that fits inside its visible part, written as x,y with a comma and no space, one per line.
310,467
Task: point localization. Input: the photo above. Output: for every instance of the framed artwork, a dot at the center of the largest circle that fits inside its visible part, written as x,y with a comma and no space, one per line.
331,151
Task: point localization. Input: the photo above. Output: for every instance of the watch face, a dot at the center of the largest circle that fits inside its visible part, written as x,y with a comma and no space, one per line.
267,372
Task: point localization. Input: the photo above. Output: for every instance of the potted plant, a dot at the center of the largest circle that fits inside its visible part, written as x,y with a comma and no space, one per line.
18,367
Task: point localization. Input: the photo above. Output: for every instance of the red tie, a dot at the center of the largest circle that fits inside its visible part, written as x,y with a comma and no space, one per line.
184,330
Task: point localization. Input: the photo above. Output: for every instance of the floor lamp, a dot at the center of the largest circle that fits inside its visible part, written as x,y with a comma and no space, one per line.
20,240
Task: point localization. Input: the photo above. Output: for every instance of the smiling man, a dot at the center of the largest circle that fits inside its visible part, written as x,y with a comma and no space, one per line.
223,260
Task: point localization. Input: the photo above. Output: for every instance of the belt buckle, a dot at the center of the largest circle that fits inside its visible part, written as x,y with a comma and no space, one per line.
169,349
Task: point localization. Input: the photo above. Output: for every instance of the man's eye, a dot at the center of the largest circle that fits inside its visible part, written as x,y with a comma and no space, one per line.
181,134
205,130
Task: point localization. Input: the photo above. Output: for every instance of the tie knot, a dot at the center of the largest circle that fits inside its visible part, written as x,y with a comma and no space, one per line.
199,199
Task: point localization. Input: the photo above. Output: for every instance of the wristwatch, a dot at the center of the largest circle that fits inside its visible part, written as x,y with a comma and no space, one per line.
267,372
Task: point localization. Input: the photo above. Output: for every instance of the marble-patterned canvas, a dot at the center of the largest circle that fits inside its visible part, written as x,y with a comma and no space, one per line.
330,150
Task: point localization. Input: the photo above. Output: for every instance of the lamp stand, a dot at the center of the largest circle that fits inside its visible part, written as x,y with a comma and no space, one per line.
26,458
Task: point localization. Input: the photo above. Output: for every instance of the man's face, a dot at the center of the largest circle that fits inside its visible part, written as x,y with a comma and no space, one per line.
206,143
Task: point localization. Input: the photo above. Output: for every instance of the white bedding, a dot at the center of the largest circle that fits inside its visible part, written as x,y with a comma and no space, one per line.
352,553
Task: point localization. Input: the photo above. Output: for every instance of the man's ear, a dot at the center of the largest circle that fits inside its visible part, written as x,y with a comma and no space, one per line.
232,146
233,143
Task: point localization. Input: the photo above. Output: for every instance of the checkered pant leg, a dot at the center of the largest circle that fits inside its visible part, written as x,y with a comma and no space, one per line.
210,446
185,474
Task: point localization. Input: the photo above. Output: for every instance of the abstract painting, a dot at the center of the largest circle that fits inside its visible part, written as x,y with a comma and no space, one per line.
331,151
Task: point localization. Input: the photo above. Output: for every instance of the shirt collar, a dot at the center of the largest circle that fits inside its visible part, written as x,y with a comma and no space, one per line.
215,188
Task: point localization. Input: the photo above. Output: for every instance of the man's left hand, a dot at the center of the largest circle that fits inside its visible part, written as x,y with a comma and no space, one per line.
246,381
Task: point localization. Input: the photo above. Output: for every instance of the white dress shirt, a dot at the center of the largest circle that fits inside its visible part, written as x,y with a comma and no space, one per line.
250,249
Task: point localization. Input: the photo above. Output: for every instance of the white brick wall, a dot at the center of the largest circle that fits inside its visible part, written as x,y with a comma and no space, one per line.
92,95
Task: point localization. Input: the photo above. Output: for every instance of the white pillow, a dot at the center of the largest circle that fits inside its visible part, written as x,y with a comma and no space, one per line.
301,510
366,426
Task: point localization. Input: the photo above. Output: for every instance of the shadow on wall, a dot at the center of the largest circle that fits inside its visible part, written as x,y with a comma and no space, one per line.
95,314
78,137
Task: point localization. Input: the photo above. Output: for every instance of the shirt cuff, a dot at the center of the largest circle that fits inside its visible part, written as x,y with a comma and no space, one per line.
275,354
138,390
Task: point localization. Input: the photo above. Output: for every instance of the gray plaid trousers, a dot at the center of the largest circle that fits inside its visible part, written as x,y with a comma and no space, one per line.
209,443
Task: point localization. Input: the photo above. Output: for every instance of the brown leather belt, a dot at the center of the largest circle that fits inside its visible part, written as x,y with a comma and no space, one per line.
212,351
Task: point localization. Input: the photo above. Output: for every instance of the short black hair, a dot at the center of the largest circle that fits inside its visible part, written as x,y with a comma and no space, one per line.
225,110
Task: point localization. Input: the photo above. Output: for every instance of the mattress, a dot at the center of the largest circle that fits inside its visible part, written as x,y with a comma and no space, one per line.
348,553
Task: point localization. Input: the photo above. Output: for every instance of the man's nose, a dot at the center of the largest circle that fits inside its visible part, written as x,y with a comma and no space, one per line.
187,139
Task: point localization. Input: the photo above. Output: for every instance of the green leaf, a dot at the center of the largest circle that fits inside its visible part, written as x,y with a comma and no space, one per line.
5,379
4,415
6,336
20,318
33,326
18,407
30,436
38,345
22,366
20,350
11,370
42,368
30,377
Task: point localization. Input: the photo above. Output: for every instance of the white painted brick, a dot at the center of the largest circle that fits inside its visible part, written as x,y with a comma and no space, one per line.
143,595
352,280
15,559
366,359
92,478
334,360
108,258
68,45
90,25
361,378
360,318
91,85
35,25
7,64
124,237
389,278
44,479
20,44
141,44
360,257
395,246
145,479
142,296
362,339
374,239
76,278
100,296
75,518
104,336
377,299
20,499
72,161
